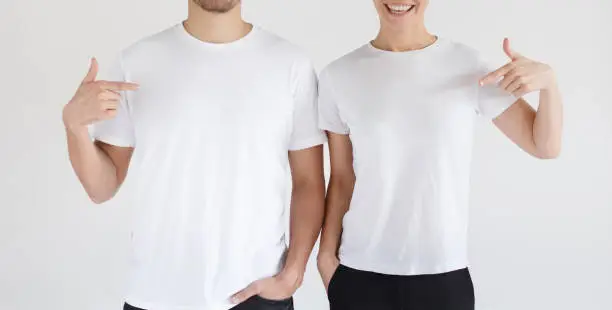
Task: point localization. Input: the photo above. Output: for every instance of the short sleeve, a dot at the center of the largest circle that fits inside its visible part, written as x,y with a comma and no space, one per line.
119,130
305,132
492,101
329,114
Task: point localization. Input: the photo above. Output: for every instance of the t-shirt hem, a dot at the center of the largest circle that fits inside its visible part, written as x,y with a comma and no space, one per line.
308,143
156,306
502,108
334,129
114,140
402,269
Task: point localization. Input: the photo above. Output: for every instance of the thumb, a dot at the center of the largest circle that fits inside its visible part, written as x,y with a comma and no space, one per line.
248,292
509,51
93,71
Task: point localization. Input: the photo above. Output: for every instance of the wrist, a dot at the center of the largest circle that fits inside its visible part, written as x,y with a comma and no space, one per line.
552,87
325,254
292,276
327,259
552,82
69,124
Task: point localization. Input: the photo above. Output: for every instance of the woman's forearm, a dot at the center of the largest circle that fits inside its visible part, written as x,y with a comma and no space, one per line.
548,123
337,204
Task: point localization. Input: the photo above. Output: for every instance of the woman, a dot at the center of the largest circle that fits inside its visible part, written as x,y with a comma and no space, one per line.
400,114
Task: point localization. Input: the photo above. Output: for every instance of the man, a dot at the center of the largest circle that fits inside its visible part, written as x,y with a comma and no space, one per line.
221,112
400,114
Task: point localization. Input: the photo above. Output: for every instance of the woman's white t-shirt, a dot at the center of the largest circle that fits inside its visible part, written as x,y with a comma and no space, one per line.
410,117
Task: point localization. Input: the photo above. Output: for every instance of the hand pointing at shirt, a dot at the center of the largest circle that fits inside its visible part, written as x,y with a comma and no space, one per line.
94,100
521,75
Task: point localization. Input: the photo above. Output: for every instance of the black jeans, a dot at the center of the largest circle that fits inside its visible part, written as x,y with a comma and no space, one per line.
351,289
253,303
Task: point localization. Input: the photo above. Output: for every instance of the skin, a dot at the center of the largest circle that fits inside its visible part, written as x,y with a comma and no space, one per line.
102,168
538,133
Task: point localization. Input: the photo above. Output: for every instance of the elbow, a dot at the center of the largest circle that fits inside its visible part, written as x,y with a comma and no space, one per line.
548,156
549,152
98,197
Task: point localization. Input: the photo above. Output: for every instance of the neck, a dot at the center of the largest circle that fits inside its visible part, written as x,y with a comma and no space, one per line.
408,39
216,27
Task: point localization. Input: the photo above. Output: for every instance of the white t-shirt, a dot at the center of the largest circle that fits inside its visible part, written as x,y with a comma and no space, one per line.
410,117
212,125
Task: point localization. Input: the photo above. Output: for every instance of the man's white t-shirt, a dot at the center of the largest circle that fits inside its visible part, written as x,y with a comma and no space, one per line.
410,117
212,125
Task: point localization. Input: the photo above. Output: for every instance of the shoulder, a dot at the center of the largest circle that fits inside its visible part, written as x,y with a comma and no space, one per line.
345,63
282,50
154,42
460,51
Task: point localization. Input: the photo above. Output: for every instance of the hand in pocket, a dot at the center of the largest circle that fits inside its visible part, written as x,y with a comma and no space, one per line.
327,267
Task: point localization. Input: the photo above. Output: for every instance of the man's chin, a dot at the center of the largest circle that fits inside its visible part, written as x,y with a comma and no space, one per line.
217,6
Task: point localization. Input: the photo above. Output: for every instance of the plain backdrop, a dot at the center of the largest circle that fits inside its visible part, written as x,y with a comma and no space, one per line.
541,233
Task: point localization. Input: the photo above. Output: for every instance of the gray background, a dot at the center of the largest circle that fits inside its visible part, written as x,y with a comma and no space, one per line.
540,231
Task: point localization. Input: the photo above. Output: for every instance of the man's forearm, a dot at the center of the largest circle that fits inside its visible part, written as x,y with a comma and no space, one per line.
548,123
337,204
307,209
92,166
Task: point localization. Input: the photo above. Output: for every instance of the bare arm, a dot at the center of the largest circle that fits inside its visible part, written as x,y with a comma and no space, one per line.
307,207
538,133
100,167
339,193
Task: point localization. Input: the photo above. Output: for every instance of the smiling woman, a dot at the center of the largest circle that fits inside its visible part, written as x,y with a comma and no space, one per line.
399,9
401,14
403,142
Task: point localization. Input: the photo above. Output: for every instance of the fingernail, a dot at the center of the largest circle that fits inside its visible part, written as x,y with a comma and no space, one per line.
481,83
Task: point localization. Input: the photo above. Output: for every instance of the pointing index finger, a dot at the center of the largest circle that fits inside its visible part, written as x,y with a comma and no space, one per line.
117,86
495,75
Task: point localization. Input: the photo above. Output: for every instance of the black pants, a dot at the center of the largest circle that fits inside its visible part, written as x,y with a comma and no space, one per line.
253,303
351,289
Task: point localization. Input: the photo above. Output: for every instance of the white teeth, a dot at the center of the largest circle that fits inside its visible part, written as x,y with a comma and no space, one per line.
399,7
